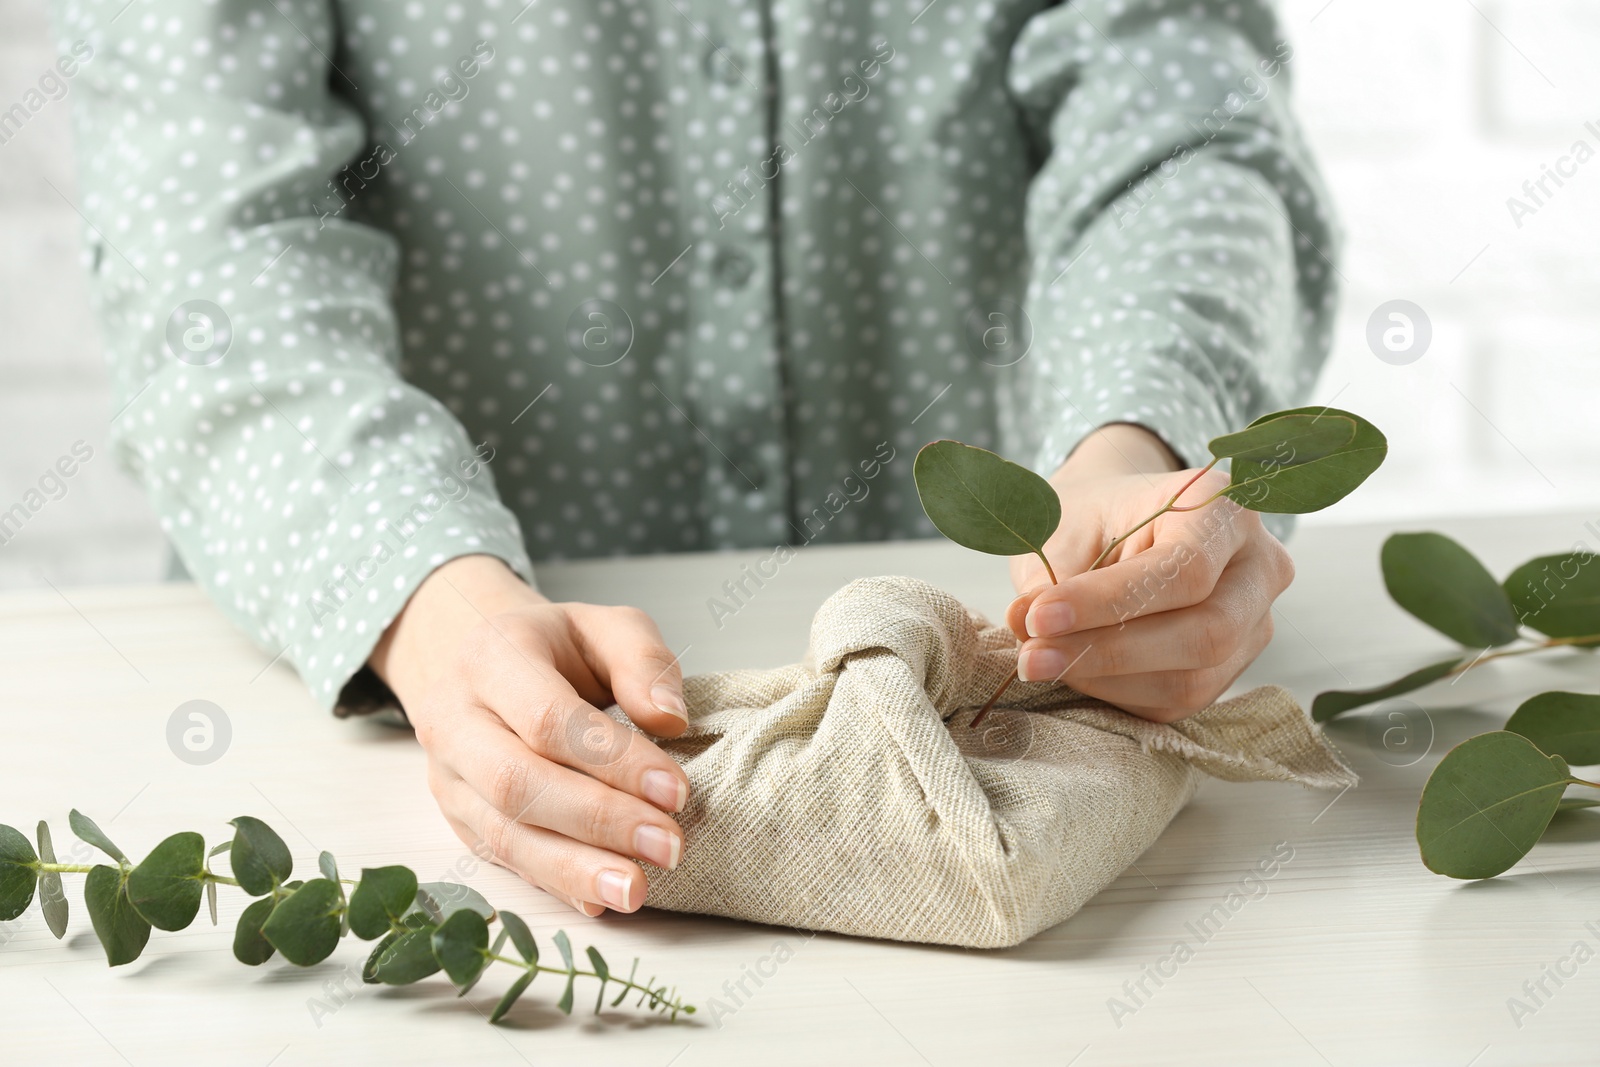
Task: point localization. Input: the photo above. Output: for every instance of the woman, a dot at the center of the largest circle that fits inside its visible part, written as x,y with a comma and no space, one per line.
676,270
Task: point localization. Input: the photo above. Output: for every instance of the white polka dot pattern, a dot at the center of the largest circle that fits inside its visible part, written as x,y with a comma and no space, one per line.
690,274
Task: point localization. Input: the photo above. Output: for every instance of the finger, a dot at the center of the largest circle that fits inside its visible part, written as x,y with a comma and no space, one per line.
1193,638
543,709
1179,570
553,861
476,843
1165,696
624,649
534,791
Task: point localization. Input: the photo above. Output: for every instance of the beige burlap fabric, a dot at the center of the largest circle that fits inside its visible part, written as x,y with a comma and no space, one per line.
830,795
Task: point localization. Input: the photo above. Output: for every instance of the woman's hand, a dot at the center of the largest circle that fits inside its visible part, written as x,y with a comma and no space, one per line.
504,690
1176,613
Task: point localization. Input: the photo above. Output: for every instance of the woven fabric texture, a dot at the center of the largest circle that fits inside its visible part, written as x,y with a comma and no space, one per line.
831,795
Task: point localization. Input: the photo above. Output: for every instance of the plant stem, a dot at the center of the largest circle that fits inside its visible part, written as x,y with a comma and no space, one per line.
63,868
1580,781
1170,505
1538,646
628,983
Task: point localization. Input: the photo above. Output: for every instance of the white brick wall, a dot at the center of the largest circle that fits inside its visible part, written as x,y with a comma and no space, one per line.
1426,115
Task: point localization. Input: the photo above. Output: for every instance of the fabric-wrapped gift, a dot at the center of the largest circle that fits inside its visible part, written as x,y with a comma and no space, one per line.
832,795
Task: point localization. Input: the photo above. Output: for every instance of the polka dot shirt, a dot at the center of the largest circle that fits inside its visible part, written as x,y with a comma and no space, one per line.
385,282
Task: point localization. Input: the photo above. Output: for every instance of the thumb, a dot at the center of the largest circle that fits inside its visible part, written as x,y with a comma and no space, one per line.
626,652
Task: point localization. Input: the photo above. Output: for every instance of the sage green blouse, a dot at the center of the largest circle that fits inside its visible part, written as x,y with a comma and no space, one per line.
385,282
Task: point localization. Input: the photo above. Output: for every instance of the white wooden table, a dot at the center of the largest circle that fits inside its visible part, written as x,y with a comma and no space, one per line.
1355,955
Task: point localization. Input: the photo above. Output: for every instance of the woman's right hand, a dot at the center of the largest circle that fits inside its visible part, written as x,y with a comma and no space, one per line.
504,689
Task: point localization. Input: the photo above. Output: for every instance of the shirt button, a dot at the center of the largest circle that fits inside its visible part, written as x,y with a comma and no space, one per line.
733,268
723,67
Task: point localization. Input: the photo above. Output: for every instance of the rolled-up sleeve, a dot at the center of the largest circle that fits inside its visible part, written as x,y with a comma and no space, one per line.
251,340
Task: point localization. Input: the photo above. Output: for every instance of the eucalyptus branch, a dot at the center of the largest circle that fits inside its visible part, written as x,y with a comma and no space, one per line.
1287,462
420,928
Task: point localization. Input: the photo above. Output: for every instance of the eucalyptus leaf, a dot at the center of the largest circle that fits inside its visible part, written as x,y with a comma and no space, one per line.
511,995
380,899
1559,596
1487,803
1303,472
447,898
521,936
459,946
211,900
19,873
166,887
1445,586
86,830
305,924
565,1003
1336,702
369,970
122,931
249,946
328,866
1577,803
1561,724
409,959
219,848
260,858
565,947
494,950
984,502
52,898
598,962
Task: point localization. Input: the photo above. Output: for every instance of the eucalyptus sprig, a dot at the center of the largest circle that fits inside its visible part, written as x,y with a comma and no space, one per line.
1445,586
1493,796
420,928
1288,462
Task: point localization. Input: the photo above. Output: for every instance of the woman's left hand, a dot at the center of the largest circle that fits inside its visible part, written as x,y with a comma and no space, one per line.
1176,613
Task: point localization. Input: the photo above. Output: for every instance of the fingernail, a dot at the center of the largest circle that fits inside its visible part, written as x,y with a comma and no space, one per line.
669,701
614,887
665,790
657,846
1040,665
1050,619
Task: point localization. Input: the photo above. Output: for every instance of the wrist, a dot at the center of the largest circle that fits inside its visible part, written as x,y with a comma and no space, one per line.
418,647
1119,448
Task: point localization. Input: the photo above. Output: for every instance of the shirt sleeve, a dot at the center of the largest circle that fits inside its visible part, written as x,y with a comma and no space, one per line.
252,344
1178,229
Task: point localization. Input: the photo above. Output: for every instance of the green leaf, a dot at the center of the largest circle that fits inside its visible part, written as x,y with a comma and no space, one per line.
86,830
19,873
166,887
984,502
1561,724
305,924
260,858
1303,474
1336,702
565,947
1576,803
1558,595
521,937
1446,587
1486,805
459,946
52,898
211,900
565,1003
443,899
511,996
249,947
598,962
369,970
219,848
122,931
378,901
328,866
409,959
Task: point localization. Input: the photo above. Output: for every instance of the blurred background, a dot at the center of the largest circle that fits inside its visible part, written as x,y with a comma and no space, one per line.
1428,116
